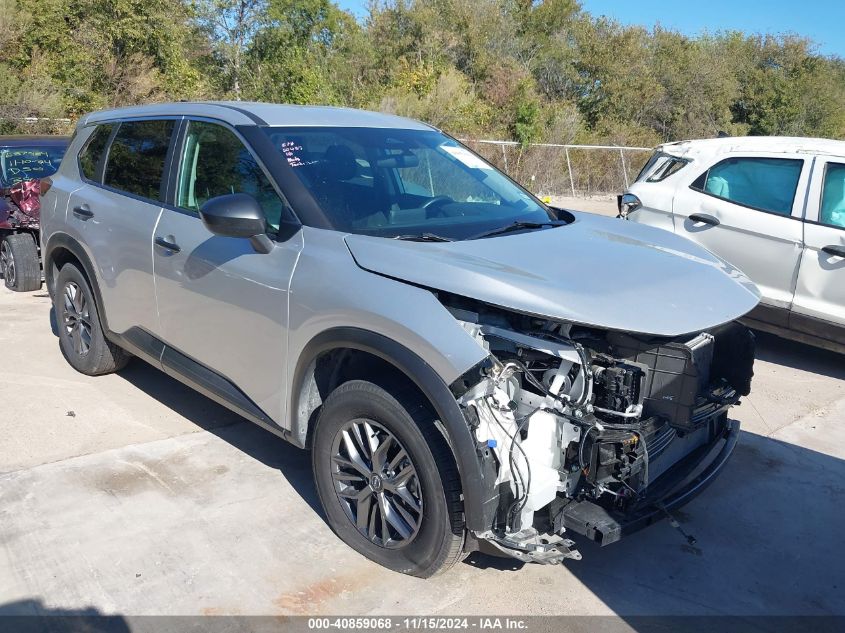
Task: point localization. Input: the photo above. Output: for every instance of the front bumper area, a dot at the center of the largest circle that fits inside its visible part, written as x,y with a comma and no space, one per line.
676,487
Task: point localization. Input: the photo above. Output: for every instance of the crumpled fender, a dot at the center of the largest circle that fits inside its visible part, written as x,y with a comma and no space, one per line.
27,197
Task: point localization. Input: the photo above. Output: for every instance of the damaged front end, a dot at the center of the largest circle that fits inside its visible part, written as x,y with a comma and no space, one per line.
593,432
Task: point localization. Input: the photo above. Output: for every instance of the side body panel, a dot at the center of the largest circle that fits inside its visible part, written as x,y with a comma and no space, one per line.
54,203
329,291
118,239
225,306
819,305
765,246
657,203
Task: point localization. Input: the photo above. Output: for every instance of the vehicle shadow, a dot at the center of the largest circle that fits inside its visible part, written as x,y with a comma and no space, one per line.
780,351
293,463
32,615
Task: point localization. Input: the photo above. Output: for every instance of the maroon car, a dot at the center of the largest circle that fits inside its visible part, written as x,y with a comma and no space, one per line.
24,162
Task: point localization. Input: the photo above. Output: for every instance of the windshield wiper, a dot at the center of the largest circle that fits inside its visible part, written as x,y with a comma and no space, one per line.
519,225
424,237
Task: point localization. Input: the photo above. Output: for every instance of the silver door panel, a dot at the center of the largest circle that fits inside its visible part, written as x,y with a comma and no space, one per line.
225,306
118,237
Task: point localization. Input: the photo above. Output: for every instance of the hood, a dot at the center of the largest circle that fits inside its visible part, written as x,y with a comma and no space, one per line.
596,271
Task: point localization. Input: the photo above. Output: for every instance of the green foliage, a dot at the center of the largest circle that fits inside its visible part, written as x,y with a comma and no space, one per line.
77,55
293,54
532,71
525,127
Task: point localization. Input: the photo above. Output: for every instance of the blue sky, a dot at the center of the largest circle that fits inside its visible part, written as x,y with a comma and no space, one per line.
820,20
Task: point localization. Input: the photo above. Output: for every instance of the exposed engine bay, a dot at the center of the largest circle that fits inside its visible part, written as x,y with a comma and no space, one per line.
580,429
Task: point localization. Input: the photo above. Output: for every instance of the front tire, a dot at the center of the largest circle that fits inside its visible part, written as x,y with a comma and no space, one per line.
81,336
19,263
387,480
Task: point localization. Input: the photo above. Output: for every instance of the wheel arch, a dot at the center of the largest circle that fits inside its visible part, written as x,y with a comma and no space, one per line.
375,352
62,249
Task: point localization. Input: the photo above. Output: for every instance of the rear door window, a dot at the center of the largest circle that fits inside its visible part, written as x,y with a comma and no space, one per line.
832,212
136,157
89,157
764,184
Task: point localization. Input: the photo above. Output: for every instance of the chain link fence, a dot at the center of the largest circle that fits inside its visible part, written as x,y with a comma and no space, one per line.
549,169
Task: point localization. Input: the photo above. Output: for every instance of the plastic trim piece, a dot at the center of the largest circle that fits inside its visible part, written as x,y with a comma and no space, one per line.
603,527
195,375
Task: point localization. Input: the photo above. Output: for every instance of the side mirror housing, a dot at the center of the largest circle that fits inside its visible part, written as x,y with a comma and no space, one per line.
237,215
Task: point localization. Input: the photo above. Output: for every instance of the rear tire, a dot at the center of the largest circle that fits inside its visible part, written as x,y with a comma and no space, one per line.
401,510
19,263
81,336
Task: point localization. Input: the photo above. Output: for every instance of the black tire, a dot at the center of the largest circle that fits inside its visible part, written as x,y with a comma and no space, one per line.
76,312
438,541
19,263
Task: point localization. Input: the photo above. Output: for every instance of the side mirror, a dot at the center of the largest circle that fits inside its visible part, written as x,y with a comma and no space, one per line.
237,215
627,203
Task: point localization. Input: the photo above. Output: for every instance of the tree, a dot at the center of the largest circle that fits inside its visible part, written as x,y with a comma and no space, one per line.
527,70
231,25
294,56
90,54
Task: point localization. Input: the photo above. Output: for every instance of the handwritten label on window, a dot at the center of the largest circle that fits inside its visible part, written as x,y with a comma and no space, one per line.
292,154
26,164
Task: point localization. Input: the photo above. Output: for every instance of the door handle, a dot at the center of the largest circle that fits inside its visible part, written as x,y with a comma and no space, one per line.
705,219
168,245
833,249
83,212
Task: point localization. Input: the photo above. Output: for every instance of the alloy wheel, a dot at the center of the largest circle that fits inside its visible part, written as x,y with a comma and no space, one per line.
7,263
376,483
76,318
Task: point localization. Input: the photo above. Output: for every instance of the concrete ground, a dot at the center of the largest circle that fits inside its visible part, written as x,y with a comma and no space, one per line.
601,204
130,494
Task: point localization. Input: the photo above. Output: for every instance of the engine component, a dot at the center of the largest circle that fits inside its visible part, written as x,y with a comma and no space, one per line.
615,456
677,373
573,423
618,386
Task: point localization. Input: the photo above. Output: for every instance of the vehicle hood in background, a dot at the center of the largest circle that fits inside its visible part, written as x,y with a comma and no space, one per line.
596,271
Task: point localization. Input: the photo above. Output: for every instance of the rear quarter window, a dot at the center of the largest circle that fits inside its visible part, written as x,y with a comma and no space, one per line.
832,211
93,151
660,166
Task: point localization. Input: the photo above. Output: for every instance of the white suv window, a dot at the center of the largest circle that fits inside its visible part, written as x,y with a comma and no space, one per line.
765,184
832,212
660,166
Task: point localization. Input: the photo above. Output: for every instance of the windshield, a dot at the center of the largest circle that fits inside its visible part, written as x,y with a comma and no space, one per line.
403,183
29,163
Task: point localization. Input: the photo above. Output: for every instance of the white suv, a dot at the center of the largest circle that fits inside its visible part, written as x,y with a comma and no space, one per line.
774,207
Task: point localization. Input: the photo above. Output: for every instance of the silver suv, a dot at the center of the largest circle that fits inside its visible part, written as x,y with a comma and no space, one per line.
470,368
